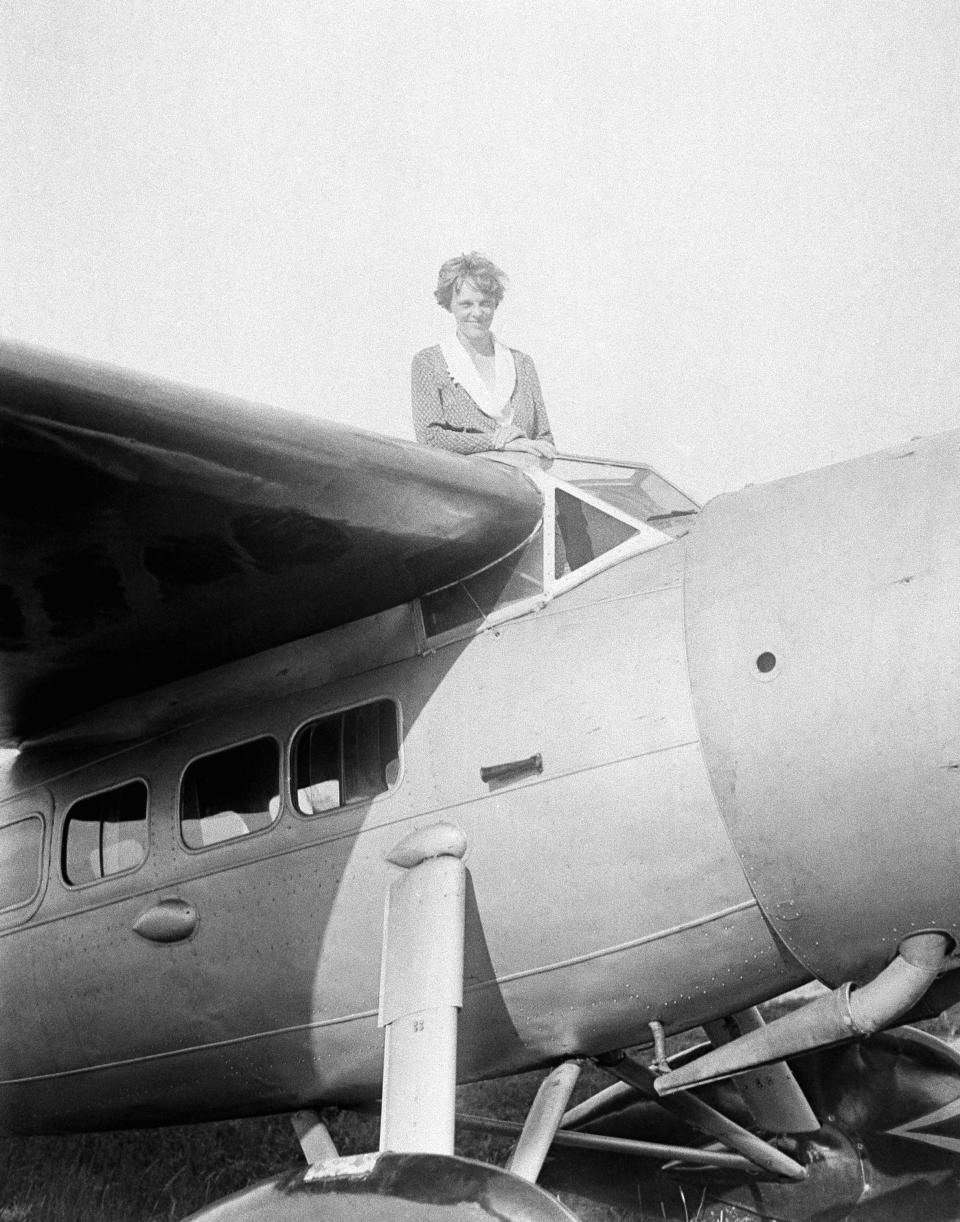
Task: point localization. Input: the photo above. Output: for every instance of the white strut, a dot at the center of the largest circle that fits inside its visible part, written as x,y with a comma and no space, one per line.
421,990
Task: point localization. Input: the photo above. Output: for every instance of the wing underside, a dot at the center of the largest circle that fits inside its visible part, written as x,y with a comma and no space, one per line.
149,531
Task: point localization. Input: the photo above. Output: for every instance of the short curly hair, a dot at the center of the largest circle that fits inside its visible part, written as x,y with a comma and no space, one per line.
474,266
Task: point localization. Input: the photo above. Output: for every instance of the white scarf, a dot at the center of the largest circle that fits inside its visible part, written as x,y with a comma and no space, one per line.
463,371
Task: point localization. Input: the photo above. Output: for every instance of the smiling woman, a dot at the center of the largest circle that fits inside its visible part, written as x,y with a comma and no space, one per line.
470,392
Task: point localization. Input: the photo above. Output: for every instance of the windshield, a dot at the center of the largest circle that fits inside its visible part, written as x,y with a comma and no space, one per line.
631,488
596,512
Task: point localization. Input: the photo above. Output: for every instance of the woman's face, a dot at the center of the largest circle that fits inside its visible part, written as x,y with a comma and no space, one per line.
473,309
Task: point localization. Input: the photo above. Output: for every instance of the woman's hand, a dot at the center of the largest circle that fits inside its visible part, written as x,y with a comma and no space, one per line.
505,435
529,445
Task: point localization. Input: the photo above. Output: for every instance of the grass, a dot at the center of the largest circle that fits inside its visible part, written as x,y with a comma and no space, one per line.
157,1175
162,1175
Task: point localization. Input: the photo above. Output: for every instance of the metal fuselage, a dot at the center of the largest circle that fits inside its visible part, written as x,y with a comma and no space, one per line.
710,827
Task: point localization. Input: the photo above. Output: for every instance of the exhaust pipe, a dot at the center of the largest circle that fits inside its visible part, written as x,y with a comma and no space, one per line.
846,1013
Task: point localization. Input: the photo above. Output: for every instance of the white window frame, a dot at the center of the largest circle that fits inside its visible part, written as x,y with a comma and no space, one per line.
645,539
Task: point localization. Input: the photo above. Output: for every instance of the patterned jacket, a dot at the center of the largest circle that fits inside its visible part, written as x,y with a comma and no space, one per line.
445,416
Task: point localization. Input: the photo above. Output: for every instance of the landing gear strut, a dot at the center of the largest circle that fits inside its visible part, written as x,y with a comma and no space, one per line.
415,1175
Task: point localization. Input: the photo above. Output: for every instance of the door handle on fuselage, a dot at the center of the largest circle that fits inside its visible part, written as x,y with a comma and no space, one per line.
512,769
167,921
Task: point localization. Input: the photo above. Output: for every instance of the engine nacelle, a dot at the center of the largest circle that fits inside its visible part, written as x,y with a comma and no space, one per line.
823,633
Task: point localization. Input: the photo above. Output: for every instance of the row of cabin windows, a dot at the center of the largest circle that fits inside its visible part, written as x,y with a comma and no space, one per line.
336,761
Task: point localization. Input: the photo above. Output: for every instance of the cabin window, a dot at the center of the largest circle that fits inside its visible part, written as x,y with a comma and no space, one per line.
345,758
230,794
21,845
105,834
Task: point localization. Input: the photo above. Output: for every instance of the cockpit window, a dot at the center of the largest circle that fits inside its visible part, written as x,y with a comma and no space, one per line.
105,834
636,490
595,512
518,576
583,533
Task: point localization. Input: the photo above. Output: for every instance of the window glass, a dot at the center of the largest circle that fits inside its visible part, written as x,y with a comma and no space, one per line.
105,834
584,533
21,844
518,576
230,794
636,490
344,758
449,608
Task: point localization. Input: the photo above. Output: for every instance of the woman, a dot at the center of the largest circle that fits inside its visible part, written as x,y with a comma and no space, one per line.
470,392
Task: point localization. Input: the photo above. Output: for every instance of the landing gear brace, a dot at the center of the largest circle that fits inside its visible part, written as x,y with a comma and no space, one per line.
421,992
416,1175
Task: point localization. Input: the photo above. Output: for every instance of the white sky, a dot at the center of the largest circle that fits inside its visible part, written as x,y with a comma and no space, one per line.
731,228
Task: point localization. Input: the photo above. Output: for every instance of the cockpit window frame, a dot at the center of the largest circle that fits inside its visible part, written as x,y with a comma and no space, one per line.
626,465
428,641
645,538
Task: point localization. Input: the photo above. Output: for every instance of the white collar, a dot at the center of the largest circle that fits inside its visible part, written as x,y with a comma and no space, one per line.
463,371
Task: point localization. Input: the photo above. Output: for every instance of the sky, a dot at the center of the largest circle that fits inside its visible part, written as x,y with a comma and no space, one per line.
730,228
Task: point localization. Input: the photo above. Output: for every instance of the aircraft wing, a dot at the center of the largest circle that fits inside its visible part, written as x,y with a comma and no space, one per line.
149,531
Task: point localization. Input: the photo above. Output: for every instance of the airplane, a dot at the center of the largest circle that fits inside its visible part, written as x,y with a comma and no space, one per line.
348,770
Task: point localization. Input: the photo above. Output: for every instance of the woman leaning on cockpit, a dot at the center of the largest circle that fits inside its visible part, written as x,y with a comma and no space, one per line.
470,392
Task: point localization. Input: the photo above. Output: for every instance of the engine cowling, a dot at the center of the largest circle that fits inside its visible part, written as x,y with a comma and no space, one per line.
823,634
